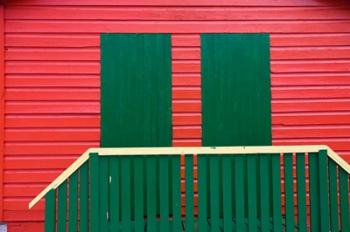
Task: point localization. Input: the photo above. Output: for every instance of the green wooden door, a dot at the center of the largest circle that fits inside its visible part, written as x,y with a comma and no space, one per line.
236,89
135,90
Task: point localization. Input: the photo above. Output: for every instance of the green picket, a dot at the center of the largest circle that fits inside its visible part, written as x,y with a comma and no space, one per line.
252,192
214,192
125,163
176,188
289,193
264,192
333,195
276,192
73,202
94,194
301,192
151,193
323,190
239,196
50,211
226,190
62,209
314,194
202,192
164,192
189,199
104,188
115,194
344,199
139,193
84,198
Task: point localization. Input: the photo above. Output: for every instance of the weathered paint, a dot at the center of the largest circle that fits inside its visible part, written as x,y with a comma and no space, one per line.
56,69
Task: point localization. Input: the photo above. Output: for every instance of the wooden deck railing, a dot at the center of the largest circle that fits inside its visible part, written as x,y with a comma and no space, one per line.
275,188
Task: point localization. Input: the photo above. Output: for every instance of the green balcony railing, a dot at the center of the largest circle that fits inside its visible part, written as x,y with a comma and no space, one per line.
274,188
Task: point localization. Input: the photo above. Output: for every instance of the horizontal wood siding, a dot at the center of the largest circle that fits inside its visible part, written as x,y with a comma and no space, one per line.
53,65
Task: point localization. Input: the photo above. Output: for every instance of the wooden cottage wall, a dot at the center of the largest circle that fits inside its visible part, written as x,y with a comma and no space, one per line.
52,78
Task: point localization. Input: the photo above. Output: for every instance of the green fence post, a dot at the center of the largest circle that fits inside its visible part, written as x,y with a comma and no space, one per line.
62,207
323,190
301,194
50,211
189,222
344,199
94,193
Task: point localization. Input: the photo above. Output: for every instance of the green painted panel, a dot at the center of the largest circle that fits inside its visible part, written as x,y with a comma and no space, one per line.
135,90
236,96
189,198
50,211
265,191
62,209
344,200
214,192
333,195
276,192
151,193
125,163
314,194
239,187
139,192
323,190
104,195
84,197
202,192
164,192
73,202
176,193
252,192
301,192
94,195
227,191
289,193
115,193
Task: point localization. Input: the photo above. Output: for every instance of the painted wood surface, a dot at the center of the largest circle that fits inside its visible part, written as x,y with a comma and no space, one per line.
52,58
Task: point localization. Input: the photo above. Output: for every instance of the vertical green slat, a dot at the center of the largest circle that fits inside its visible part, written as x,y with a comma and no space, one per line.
73,202
214,192
84,198
264,192
50,211
189,222
323,190
314,194
227,191
104,198
333,195
276,192
94,195
289,193
164,192
301,188
115,194
252,192
202,192
62,207
151,193
139,194
176,180
239,196
344,199
125,163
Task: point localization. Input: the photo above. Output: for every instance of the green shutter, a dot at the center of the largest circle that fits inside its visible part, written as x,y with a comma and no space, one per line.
135,90
236,98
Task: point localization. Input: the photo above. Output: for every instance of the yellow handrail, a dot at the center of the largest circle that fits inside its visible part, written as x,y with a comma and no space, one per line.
187,150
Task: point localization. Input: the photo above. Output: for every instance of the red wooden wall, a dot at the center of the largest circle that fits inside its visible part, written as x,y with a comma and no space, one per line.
52,78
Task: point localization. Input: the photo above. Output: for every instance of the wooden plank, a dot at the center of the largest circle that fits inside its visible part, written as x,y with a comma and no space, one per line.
73,202
151,190
219,52
62,207
84,198
202,192
176,201
125,194
252,198
301,191
139,187
214,181
344,200
323,190
265,203
104,196
288,182
276,192
333,195
150,55
239,192
314,192
115,204
50,211
189,220
94,195
164,193
226,190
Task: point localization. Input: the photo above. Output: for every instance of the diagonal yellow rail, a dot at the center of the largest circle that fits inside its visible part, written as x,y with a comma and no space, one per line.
187,150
